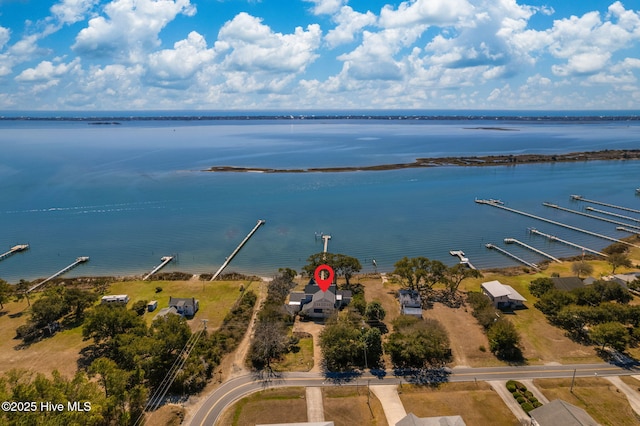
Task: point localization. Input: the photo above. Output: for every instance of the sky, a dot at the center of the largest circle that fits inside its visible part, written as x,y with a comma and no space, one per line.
319,54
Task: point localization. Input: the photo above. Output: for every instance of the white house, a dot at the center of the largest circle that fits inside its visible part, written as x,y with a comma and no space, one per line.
184,306
410,303
502,296
115,299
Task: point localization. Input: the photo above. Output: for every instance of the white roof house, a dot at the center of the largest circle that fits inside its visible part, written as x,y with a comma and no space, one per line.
502,296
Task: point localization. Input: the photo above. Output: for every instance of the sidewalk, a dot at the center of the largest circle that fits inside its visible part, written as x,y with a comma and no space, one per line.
391,404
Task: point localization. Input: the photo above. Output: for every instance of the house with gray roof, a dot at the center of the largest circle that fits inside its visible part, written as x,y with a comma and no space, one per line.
315,303
410,303
185,306
559,412
413,420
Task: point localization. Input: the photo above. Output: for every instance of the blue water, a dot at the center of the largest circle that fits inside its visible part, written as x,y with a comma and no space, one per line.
127,195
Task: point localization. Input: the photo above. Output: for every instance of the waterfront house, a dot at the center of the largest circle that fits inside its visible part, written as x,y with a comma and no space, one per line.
413,420
184,306
567,283
315,303
502,296
410,303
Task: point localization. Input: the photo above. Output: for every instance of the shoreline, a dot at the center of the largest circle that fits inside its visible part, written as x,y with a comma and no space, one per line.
466,161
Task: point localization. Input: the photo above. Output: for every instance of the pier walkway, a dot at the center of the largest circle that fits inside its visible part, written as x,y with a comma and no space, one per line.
228,260
165,261
533,249
78,261
631,231
591,216
620,216
613,206
511,255
463,260
14,250
569,243
553,222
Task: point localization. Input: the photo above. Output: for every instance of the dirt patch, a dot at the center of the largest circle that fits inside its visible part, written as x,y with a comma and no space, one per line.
167,415
465,335
348,406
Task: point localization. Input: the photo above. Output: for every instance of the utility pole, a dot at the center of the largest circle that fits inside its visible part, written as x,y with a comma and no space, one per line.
573,380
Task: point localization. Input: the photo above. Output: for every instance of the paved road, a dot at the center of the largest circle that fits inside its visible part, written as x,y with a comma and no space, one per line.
238,387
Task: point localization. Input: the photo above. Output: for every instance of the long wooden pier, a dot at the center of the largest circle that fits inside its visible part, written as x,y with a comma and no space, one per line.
569,243
553,222
591,216
463,259
78,261
15,249
608,213
511,255
228,260
533,249
165,260
631,231
613,206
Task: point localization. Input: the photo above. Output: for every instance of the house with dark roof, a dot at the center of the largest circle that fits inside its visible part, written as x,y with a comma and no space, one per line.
567,283
410,303
502,295
559,412
185,306
315,303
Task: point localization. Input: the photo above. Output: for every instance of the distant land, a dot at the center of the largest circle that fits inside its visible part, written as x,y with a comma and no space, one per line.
467,161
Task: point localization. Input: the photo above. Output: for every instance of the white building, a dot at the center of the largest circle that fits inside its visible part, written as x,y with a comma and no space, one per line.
502,296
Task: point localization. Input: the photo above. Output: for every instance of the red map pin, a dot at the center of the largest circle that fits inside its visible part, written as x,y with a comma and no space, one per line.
324,283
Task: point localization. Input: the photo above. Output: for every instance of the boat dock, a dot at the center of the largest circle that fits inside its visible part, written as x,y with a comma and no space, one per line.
165,261
463,260
631,231
533,249
591,216
78,261
569,243
553,222
620,216
228,260
15,249
613,206
511,255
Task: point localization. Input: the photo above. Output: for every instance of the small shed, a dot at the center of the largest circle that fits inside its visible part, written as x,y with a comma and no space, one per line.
115,299
152,306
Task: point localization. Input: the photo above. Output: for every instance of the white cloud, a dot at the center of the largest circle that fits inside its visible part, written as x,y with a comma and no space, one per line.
582,63
131,29
249,45
349,23
326,7
72,11
5,33
47,71
429,12
172,67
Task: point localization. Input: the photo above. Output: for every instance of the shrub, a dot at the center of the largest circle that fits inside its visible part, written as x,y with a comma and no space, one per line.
528,395
533,400
511,386
516,395
482,348
527,407
521,400
521,387
537,404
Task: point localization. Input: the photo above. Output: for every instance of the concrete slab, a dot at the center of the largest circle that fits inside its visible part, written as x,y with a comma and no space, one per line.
391,404
315,406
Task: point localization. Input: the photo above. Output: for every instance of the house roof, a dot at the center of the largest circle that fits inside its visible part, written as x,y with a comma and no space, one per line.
409,298
559,412
296,297
166,311
514,295
301,424
495,288
567,283
182,301
413,420
412,311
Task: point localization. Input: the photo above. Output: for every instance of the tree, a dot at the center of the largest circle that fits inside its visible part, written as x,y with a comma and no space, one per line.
345,266
616,248
612,291
78,300
375,312
420,273
504,340
49,308
372,341
417,343
552,301
22,291
6,290
341,342
581,268
611,334
269,343
540,286
104,323
458,273
617,260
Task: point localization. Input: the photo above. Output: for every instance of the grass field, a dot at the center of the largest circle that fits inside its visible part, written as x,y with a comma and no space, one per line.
284,405
347,406
596,396
61,351
477,404
299,361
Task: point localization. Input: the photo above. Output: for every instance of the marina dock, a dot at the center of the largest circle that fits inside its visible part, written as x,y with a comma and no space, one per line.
15,249
553,222
533,249
511,255
613,206
591,216
569,243
463,260
230,258
165,261
631,231
78,261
